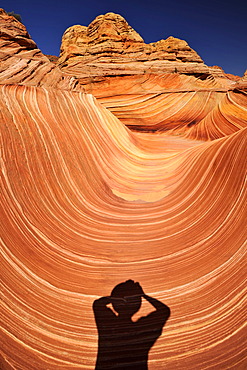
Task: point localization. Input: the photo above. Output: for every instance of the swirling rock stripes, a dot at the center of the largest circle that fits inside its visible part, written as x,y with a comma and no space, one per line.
144,94
156,87
167,111
153,87
201,115
199,109
70,232
229,116
23,63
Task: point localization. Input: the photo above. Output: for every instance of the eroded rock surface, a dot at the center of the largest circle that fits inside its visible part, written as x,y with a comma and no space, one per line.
110,46
21,60
159,86
241,84
87,203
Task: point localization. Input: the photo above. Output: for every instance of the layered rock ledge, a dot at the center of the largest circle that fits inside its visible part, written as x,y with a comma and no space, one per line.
110,46
159,86
22,62
87,203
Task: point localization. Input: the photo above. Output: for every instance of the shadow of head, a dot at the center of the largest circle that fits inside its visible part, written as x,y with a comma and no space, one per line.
127,298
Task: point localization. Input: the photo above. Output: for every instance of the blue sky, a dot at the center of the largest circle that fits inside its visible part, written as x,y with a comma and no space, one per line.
216,29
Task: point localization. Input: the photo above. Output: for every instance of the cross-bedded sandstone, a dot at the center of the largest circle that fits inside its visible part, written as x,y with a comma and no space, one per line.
87,203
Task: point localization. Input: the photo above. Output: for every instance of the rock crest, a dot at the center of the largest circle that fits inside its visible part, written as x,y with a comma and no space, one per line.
22,62
87,203
110,39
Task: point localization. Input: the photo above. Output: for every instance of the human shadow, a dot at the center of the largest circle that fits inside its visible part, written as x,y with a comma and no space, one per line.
122,343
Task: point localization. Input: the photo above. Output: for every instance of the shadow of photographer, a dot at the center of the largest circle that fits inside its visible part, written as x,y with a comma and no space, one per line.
122,343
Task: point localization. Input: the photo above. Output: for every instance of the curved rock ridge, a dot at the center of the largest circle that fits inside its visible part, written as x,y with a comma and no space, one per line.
109,46
202,114
21,62
181,105
146,101
86,204
130,154
159,86
227,117
242,83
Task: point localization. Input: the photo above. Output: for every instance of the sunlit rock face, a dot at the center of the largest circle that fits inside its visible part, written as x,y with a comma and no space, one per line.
111,39
21,60
158,86
109,46
87,203
242,83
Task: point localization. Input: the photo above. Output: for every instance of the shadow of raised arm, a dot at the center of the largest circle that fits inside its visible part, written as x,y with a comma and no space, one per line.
123,343
159,306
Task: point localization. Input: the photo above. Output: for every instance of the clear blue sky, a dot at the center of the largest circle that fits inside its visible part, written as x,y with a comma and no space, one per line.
216,29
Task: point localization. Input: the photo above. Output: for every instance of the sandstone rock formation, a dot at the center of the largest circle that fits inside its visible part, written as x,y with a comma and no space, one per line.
52,58
159,86
87,203
21,60
241,84
109,46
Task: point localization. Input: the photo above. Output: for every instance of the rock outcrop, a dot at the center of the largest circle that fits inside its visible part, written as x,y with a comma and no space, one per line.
21,60
52,58
109,46
87,203
159,86
241,84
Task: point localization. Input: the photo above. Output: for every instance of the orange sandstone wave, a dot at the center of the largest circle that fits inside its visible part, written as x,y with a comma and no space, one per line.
198,109
86,204
160,86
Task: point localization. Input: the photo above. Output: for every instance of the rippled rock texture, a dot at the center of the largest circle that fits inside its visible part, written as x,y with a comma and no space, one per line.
110,47
110,39
21,60
86,204
158,86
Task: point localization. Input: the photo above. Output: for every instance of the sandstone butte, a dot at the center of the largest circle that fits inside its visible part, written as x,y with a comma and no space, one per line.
87,202
145,85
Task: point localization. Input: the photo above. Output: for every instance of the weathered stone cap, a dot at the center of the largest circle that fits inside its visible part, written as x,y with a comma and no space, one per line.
22,62
110,36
